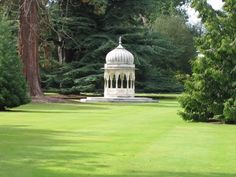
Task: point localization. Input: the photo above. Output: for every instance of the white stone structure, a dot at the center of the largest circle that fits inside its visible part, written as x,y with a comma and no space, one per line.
119,74
119,78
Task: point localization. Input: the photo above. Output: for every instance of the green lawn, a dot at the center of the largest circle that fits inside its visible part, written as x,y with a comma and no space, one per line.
112,140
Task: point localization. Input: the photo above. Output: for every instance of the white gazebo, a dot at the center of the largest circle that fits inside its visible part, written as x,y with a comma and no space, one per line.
119,78
119,74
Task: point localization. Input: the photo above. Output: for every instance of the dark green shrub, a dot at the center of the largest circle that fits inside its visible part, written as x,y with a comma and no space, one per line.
230,111
13,90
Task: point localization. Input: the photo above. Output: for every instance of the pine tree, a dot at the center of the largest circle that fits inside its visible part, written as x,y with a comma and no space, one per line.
13,89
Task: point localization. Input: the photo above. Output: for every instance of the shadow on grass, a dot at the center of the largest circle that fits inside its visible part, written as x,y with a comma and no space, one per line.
157,97
42,111
146,105
161,105
56,108
27,152
141,174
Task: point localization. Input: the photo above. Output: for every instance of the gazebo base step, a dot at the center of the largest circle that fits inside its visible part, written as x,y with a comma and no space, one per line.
118,100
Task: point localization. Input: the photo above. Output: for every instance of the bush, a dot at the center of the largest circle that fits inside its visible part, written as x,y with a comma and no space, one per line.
230,111
13,89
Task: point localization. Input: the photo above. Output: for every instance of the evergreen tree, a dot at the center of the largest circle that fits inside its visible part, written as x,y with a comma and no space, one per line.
211,90
13,89
85,35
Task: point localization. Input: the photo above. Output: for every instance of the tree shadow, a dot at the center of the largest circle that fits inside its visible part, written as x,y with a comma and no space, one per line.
27,152
174,174
24,150
160,105
46,173
56,108
123,104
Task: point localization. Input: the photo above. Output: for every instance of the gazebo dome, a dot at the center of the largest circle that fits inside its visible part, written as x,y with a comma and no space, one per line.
119,55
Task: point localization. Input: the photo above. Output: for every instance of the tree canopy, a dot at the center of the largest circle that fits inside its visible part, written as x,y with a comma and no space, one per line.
211,90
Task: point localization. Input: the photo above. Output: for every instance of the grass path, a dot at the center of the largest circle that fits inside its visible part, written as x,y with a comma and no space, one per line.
112,140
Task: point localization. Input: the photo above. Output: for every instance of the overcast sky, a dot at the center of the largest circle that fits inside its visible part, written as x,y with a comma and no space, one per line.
216,4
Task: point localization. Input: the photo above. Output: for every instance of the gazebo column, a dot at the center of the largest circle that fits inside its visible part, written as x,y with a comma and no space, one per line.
132,82
122,80
106,79
111,79
127,79
117,77
107,84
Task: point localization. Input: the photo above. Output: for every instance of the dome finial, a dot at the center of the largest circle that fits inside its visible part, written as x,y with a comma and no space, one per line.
120,43
120,40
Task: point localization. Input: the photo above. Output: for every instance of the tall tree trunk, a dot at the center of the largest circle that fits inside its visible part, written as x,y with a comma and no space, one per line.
28,44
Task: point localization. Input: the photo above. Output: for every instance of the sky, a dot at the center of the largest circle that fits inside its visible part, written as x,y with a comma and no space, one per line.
193,19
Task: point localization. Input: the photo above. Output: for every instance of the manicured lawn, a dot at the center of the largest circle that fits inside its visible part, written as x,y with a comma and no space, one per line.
116,140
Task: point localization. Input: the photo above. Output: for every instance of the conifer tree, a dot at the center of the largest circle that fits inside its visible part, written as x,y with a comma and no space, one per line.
13,89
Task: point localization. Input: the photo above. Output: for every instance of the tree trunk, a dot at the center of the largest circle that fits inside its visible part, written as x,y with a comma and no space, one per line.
28,44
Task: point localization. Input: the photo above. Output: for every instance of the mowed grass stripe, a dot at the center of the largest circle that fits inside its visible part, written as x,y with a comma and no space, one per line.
116,140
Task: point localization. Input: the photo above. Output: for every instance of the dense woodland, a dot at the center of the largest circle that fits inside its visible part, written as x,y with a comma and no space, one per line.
63,43
75,36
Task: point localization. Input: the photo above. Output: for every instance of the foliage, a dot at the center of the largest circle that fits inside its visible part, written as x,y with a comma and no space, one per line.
210,91
159,81
86,35
229,111
9,9
72,78
174,28
76,34
12,83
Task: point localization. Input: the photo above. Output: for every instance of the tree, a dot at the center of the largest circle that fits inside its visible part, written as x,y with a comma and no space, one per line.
28,44
13,90
211,90
86,35
174,28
